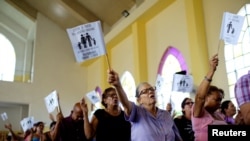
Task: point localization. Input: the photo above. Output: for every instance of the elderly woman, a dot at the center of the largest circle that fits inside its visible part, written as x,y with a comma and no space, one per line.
149,123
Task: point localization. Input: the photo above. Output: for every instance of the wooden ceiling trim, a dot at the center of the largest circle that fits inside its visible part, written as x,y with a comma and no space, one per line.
81,10
25,8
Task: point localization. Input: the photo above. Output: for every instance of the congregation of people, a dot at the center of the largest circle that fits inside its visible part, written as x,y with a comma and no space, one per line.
143,120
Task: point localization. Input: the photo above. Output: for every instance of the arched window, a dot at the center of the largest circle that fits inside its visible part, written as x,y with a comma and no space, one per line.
237,56
171,62
7,59
128,84
17,43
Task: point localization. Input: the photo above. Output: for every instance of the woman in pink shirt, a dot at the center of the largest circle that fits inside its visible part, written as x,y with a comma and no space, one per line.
207,101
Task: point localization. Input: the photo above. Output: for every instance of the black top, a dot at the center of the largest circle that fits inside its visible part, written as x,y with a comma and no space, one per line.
112,128
185,128
71,130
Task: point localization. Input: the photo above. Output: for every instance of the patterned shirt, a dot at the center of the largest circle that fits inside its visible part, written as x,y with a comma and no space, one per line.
242,89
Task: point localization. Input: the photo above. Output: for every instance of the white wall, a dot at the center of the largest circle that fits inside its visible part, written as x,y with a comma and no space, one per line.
54,68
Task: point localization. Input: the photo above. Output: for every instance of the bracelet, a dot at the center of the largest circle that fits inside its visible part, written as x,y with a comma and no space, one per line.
209,80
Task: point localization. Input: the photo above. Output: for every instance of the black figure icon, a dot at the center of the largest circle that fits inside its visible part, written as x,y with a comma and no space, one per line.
83,41
86,41
79,45
230,28
94,42
28,122
159,83
232,32
93,97
89,38
51,101
183,83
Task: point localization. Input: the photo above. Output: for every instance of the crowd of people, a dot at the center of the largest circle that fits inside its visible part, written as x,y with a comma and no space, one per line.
144,120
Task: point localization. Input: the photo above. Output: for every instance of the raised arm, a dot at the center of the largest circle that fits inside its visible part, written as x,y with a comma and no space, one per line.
204,86
59,105
88,131
14,135
55,135
113,79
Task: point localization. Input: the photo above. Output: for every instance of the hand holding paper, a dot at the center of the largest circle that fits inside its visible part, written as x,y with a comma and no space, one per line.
27,123
51,101
93,97
4,116
231,27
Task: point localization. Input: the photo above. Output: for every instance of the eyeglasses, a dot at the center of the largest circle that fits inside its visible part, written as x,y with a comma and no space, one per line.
146,91
188,103
112,95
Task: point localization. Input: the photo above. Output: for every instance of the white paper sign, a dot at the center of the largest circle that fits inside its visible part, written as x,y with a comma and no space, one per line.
51,101
87,41
4,116
159,83
182,83
231,27
27,123
93,97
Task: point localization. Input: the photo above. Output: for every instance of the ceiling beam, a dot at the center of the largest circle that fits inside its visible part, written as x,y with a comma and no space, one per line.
24,7
77,9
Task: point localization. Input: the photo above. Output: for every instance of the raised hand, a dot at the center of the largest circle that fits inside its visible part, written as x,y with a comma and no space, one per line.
84,107
59,116
51,117
214,61
113,78
8,126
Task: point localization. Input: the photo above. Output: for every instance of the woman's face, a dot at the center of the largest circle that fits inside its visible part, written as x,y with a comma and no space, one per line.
188,106
213,100
40,127
231,110
147,94
112,99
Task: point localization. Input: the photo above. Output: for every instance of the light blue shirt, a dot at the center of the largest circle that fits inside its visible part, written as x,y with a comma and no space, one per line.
146,127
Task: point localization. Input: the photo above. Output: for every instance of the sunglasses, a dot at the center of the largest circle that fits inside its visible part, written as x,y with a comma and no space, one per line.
188,103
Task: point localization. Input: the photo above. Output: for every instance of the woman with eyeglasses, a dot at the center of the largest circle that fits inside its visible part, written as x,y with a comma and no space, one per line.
149,123
109,124
207,102
183,122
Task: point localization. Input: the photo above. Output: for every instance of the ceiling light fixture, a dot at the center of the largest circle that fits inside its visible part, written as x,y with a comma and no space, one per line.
125,13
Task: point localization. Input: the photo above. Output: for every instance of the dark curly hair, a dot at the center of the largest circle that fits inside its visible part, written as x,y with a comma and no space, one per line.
105,95
183,103
224,105
214,89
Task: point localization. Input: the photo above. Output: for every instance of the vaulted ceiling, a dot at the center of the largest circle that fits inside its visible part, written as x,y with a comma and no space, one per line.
70,13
